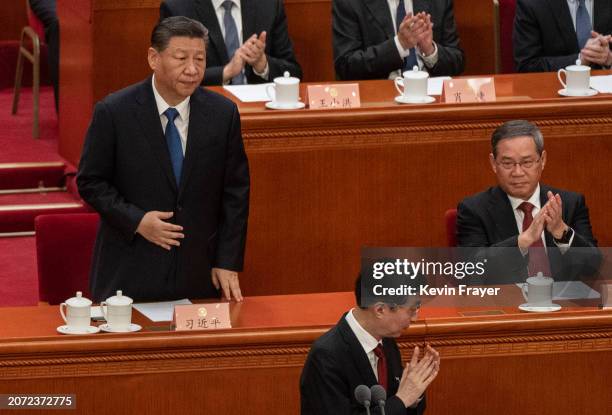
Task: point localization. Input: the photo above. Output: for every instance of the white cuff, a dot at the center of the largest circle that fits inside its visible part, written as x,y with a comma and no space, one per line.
431,60
402,52
266,72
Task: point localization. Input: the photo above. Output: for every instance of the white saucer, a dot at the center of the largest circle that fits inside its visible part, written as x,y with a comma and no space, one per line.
133,327
84,330
539,309
400,99
275,106
588,93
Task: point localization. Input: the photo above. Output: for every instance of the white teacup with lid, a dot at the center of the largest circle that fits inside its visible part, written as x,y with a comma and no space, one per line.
78,312
286,91
117,311
577,80
413,85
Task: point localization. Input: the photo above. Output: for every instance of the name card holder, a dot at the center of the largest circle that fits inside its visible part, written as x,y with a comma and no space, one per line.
460,91
334,96
209,316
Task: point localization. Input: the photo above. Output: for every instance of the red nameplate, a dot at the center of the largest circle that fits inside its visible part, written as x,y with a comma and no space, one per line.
460,91
334,96
202,316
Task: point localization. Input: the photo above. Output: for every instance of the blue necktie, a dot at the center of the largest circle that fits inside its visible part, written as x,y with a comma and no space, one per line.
232,42
173,140
583,24
410,60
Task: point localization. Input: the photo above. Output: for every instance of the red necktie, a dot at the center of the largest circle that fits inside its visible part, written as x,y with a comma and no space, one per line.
538,261
381,366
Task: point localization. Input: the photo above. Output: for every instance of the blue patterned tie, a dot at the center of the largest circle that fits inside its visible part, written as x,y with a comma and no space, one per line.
232,41
410,60
173,140
583,24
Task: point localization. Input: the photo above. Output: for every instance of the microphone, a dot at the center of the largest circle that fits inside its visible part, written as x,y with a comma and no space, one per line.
379,396
363,396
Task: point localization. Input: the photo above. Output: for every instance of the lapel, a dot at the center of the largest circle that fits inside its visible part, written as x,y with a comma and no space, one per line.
500,210
380,10
560,10
249,19
148,117
421,6
360,359
201,118
392,369
602,15
206,13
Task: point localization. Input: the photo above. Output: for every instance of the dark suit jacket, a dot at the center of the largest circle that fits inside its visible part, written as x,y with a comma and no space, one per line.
257,16
363,38
336,365
544,38
125,171
487,220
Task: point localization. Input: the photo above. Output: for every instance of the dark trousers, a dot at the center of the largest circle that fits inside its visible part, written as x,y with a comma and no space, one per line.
46,11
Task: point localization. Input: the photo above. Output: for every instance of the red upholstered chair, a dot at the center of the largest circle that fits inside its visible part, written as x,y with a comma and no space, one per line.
507,9
36,33
64,246
450,217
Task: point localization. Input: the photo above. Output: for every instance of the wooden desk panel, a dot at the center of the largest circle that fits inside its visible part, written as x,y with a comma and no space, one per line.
486,361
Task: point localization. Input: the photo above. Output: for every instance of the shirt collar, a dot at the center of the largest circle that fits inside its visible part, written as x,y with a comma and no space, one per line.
217,4
367,341
534,199
182,107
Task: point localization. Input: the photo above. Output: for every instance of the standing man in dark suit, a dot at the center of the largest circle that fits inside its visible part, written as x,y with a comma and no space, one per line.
524,216
379,39
361,350
164,165
249,41
552,34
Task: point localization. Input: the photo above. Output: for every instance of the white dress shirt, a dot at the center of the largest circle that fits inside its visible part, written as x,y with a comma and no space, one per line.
181,121
367,341
519,216
428,61
237,15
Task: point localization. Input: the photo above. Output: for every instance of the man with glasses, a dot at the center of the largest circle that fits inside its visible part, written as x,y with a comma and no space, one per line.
522,213
361,350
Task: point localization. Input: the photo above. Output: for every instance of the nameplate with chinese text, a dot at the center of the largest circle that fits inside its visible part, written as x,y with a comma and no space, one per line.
334,96
202,317
460,91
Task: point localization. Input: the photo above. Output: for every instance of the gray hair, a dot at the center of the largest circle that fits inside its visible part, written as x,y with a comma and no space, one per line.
176,26
517,128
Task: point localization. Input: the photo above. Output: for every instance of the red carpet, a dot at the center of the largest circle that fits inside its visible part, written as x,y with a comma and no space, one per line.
18,274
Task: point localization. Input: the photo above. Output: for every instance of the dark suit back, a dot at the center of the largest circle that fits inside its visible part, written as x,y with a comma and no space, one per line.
544,36
125,171
336,365
257,16
363,35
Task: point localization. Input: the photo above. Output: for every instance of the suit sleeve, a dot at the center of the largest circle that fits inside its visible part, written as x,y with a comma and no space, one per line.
528,43
280,55
451,61
235,202
352,59
96,172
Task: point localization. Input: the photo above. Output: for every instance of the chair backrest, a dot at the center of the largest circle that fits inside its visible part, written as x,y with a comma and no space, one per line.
35,23
450,217
507,9
64,246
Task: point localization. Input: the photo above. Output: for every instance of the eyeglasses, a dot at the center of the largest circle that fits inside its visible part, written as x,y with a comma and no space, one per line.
524,164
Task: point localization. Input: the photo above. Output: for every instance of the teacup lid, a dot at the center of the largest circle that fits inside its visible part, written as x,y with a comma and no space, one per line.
119,299
78,301
286,79
578,66
415,73
539,279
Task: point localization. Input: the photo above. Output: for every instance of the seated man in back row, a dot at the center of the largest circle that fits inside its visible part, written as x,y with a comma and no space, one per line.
550,227
249,40
552,34
378,39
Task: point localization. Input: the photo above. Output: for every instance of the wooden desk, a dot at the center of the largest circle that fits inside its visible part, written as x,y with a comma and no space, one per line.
504,364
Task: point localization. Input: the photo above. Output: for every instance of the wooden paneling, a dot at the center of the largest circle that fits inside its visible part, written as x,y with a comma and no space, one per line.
505,364
475,24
